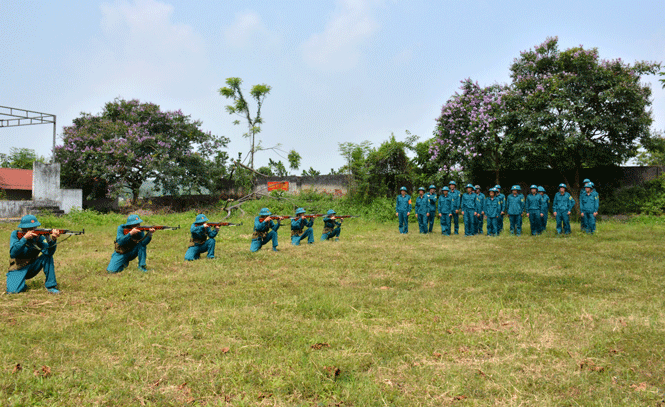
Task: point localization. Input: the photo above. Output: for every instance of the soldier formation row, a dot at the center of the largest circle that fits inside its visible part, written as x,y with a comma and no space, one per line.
475,208
31,249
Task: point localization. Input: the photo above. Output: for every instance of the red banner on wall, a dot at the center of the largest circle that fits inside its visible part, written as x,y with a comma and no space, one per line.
278,186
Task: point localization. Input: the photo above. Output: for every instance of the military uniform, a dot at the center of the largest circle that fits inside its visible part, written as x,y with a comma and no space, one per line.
403,208
492,209
480,201
589,205
502,200
331,227
545,209
515,208
202,240
562,204
30,256
431,207
456,196
301,228
468,204
421,211
594,192
445,210
128,247
264,232
533,209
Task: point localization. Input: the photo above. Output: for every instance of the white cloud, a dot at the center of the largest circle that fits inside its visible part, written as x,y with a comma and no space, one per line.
338,47
248,30
144,51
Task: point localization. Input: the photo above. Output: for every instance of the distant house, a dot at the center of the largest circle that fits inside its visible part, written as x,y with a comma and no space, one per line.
16,184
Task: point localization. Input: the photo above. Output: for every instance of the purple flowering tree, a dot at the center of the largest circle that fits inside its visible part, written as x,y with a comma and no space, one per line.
570,109
130,142
470,133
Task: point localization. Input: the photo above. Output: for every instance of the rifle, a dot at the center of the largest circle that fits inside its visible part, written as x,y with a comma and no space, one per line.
127,229
275,217
223,224
318,215
345,216
44,232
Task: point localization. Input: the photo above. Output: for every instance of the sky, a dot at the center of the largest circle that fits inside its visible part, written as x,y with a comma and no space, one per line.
340,70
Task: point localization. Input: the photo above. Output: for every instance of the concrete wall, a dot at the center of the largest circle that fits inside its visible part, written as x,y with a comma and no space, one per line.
71,198
331,184
13,209
46,184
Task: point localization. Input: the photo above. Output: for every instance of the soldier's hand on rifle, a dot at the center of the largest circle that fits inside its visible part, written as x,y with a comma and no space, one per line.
29,235
151,230
134,231
54,234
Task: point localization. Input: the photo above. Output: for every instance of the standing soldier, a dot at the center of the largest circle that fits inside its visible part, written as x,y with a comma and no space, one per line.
533,209
457,202
502,200
403,210
431,207
561,206
582,191
25,260
515,208
480,202
589,208
421,210
445,210
130,246
265,230
300,223
469,213
331,228
492,211
545,209
202,240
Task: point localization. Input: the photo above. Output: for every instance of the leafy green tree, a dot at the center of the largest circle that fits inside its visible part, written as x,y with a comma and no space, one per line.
21,158
277,168
310,173
240,107
653,152
572,110
294,160
130,142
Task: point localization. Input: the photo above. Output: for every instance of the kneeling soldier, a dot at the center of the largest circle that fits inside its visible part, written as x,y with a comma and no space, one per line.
265,230
26,261
203,239
130,246
298,224
331,228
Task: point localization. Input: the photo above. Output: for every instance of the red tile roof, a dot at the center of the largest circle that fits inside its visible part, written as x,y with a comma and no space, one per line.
12,178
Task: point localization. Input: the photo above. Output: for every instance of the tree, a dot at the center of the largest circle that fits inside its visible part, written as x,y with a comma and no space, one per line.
21,158
654,150
470,133
277,168
571,110
240,107
294,160
130,142
310,173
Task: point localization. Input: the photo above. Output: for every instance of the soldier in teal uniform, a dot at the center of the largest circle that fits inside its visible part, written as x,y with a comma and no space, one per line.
594,192
301,228
445,210
331,227
480,201
130,246
421,210
431,207
29,255
515,208
589,205
561,206
533,209
545,209
265,230
502,200
492,211
468,204
457,202
403,210
202,240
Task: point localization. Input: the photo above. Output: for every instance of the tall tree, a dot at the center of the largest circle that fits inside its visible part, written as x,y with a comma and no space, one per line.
240,107
21,158
294,160
130,142
573,110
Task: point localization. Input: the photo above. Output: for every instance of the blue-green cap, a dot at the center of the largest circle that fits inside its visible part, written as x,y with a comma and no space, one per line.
562,185
265,212
591,183
586,181
29,221
201,218
588,185
469,186
403,189
497,186
541,189
300,210
421,189
330,212
533,187
452,183
133,220
516,188
445,189
494,190
432,186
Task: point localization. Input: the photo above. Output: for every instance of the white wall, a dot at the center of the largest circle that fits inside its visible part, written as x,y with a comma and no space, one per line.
46,184
71,198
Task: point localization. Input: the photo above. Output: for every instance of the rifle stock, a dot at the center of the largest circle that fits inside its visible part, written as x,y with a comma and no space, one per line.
44,232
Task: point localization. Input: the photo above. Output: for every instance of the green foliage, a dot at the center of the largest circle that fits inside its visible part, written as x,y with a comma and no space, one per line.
310,173
653,152
294,160
3,195
21,158
277,168
648,198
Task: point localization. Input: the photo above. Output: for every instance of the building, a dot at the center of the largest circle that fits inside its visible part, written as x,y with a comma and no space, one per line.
16,185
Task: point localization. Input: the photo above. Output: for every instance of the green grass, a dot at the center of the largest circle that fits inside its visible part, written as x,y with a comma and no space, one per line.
403,320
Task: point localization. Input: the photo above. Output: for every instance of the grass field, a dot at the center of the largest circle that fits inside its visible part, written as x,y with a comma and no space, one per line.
375,319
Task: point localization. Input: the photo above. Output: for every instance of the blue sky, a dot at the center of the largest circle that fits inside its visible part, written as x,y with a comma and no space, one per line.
346,70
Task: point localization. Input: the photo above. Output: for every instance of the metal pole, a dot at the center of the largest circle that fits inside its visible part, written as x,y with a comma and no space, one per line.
53,152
